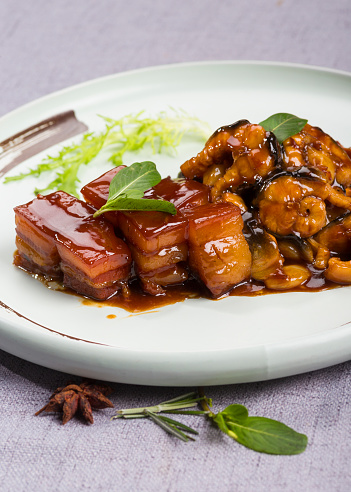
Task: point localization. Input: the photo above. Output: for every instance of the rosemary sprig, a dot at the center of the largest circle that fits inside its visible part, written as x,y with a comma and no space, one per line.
175,406
172,426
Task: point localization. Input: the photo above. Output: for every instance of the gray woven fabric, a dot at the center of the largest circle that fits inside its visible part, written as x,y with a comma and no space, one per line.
45,46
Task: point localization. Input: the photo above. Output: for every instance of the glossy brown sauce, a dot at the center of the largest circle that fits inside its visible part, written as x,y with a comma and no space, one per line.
138,301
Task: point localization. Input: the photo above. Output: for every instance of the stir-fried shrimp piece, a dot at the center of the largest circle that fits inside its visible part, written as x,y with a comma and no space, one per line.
217,150
322,258
313,149
213,173
235,200
338,271
235,155
290,205
290,277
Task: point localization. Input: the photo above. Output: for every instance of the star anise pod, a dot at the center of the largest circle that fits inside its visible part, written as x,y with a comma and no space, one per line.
83,397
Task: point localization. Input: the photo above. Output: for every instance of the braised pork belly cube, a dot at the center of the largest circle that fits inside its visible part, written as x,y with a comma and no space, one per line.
95,193
36,253
61,229
158,241
152,231
163,258
183,193
161,269
218,252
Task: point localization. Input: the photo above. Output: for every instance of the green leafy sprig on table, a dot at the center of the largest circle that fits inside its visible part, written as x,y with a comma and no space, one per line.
257,433
130,133
127,190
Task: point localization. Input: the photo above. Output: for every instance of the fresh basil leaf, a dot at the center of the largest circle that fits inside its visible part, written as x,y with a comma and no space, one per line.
283,125
259,433
235,412
127,190
134,180
141,204
221,422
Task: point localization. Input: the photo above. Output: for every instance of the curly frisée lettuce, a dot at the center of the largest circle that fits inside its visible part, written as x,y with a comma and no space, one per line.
130,133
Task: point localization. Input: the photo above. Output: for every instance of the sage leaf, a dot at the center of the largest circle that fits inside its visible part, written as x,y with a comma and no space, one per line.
259,433
283,125
127,190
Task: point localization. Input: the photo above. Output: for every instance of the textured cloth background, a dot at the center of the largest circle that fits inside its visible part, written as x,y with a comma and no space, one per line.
46,46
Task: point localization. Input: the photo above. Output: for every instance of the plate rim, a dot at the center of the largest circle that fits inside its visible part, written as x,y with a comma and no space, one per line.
268,349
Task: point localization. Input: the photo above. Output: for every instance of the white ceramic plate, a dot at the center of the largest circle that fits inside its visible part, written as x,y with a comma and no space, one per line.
196,342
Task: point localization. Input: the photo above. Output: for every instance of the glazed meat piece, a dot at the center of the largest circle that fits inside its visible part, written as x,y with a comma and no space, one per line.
218,252
153,231
161,259
182,193
314,150
157,240
96,192
36,245
291,205
61,230
236,155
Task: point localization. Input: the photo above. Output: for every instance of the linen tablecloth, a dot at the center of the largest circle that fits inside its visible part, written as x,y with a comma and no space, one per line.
46,46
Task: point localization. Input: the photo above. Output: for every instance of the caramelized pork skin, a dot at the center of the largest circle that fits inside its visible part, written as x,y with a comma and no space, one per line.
237,155
58,230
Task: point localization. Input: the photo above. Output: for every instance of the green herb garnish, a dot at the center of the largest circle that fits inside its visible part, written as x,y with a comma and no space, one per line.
127,190
130,133
257,433
176,405
283,125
